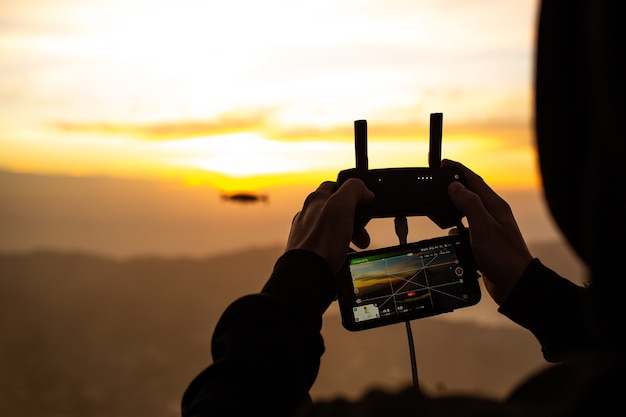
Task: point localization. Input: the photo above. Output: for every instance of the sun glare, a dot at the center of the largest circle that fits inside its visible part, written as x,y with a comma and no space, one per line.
252,161
249,154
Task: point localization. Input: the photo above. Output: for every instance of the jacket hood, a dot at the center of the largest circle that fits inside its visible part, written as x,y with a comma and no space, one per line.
580,106
580,116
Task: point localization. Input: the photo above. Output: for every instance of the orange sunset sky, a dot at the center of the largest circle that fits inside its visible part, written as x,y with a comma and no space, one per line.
248,95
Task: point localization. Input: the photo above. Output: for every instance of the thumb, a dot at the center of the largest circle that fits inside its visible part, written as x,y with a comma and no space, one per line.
468,202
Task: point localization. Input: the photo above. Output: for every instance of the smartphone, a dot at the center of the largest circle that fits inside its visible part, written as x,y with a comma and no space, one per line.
406,282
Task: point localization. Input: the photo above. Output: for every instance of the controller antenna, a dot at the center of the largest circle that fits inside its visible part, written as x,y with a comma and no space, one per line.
436,132
360,143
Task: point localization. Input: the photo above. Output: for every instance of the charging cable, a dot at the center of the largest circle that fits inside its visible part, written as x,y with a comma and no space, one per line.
402,231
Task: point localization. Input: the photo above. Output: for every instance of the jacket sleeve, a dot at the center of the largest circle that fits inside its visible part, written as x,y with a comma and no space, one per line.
552,308
266,347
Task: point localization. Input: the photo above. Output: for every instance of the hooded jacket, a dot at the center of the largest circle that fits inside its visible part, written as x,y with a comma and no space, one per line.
580,116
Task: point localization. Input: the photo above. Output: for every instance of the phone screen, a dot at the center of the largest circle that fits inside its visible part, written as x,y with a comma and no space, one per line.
406,282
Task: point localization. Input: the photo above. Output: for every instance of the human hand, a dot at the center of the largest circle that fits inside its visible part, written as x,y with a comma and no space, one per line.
325,223
497,243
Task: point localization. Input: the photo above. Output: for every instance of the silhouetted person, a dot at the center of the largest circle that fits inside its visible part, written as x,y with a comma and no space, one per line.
267,346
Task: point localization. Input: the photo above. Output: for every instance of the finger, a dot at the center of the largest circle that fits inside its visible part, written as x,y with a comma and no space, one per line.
317,197
361,239
354,192
323,191
351,194
472,180
491,201
470,204
327,187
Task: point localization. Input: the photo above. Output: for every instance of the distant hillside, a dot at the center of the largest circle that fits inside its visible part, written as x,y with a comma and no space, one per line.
85,335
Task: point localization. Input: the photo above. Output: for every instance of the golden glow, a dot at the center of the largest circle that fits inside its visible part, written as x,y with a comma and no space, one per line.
249,95
248,154
250,161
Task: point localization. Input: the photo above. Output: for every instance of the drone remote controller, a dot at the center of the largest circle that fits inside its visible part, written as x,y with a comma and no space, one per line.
406,191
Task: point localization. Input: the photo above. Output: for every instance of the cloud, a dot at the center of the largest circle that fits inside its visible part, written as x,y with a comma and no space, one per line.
395,124
231,122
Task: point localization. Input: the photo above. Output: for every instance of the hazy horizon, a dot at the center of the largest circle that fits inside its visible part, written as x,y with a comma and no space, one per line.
122,218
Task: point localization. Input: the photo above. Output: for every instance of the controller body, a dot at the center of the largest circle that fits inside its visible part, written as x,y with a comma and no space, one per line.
406,191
